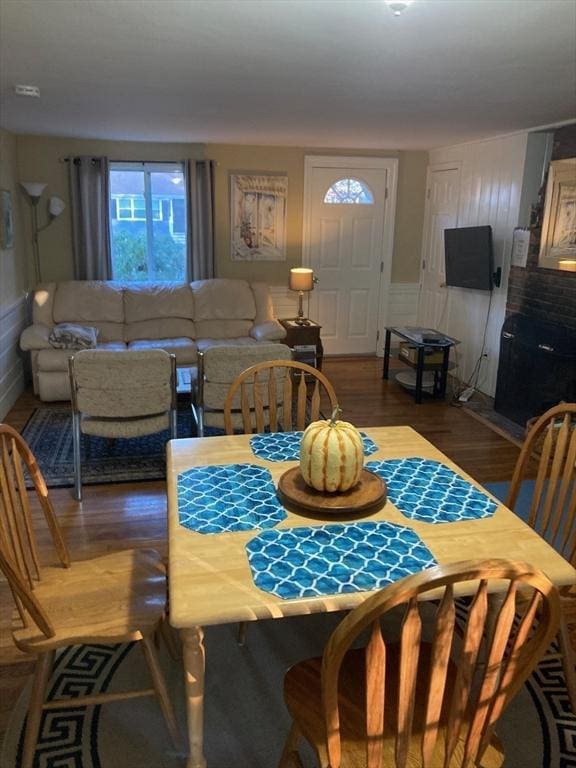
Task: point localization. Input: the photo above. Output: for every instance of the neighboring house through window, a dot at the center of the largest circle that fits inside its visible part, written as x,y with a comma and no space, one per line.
148,221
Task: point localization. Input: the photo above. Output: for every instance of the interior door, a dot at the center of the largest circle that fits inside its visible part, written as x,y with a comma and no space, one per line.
345,215
441,213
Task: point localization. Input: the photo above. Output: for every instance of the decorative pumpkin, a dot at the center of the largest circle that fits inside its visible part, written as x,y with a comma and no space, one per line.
331,455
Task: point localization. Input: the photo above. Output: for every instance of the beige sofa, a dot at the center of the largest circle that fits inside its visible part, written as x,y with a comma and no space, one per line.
179,318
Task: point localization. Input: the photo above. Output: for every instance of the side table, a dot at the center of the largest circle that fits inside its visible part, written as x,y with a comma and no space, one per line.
304,335
423,340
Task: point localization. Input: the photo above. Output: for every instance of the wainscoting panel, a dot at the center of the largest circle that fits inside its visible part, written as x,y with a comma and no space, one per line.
286,302
12,322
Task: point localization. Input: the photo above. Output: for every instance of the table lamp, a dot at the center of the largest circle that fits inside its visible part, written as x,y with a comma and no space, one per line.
301,280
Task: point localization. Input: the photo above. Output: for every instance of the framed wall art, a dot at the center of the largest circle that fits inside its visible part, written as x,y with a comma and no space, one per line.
558,240
258,216
6,222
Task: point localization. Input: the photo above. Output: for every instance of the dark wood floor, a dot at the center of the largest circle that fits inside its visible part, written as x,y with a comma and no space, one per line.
113,517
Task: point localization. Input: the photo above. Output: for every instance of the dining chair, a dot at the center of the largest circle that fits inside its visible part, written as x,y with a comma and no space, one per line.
276,395
122,394
551,443
218,367
433,697
114,598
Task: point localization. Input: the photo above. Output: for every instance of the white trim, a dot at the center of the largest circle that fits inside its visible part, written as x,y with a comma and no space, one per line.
390,165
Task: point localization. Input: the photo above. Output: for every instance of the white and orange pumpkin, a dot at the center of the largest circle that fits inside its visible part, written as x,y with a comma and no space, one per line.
331,455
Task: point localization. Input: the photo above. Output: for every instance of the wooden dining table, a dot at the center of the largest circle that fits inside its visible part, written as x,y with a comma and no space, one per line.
211,579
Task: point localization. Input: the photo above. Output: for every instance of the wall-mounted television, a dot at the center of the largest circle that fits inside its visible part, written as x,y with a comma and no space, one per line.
469,259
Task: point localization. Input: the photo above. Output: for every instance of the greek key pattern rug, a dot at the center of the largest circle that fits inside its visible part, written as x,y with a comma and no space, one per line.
228,497
427,490
285,446
336,558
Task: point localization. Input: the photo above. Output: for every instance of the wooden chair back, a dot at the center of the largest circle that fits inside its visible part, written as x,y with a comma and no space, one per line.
486,678
278,394
19,559
552,442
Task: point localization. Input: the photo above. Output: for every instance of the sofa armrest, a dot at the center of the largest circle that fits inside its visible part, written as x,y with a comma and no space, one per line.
271,330
35,337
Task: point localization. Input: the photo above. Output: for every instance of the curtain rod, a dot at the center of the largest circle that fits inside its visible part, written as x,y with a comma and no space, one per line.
142,162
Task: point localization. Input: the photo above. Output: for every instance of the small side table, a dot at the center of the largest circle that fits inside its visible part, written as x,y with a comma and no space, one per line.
424,340
304,335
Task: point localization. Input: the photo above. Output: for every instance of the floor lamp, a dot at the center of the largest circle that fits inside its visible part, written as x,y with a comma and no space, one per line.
34,191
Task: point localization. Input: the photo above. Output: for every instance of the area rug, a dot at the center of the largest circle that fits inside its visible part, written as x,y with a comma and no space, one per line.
49,435
245,718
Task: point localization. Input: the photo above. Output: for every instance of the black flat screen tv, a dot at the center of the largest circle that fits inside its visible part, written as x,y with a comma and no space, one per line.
469,260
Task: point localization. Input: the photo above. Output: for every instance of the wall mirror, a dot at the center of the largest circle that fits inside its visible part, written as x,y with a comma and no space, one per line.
558,241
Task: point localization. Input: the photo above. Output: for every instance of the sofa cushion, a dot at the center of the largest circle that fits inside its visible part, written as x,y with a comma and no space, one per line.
149,301
222,329
57,359
184,349
223,299
88,301
162,328
263,300
244,341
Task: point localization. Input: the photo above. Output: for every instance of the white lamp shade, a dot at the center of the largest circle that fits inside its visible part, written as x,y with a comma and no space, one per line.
33,188
301,279
56,206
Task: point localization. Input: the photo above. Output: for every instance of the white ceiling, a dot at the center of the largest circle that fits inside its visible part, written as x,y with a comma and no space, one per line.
328,73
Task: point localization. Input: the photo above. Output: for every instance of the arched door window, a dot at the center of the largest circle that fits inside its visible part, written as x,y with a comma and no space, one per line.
349,191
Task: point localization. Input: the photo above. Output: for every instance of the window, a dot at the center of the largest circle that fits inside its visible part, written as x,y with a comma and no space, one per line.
346,191
148,221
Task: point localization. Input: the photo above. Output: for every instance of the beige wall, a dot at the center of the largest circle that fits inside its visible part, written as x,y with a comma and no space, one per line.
39,158
13,277
409,212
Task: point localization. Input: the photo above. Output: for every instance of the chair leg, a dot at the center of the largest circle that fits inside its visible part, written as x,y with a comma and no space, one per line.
241,639
162,692
290,757
171,639
568,662
173,424
76,436
37,697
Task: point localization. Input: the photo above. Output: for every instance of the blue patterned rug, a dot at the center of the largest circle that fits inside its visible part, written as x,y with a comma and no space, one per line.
49,435
243,691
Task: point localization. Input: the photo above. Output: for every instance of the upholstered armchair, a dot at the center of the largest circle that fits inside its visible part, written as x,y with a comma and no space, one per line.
120,395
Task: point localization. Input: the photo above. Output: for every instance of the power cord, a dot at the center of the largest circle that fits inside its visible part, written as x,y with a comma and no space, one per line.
466,391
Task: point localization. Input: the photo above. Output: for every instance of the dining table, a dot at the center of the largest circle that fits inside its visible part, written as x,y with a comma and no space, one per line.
237,553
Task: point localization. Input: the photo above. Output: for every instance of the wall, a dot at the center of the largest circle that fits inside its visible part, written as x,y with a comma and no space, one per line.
490,193
409,210
40,158
545,294
13,283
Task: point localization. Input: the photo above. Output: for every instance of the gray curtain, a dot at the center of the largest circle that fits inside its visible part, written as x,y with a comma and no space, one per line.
200,195
89,196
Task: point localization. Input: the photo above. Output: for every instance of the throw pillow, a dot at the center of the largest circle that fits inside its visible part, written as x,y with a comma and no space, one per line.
71,336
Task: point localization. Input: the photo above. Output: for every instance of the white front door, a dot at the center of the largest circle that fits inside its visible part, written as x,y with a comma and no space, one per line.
348,237
441,213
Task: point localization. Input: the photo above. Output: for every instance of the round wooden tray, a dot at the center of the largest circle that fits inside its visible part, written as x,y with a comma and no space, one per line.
369,491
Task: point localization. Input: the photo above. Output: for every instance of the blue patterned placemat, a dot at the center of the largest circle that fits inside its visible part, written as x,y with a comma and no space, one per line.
427,490
231,497
336,558
285,446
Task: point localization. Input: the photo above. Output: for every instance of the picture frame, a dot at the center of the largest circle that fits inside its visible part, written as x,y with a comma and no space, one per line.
558,239
258,216
6,220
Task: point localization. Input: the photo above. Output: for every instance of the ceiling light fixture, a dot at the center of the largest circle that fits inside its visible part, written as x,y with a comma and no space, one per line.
397,6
